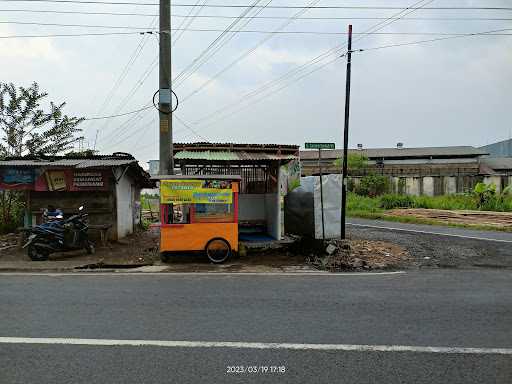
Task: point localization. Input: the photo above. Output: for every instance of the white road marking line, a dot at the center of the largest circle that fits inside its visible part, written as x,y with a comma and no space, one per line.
249,345
429,233
206,274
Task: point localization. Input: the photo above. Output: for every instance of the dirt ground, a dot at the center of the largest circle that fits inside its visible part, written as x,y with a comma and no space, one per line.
359,255
498,219
141,250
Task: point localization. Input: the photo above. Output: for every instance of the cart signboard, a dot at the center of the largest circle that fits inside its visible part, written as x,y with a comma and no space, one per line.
195,192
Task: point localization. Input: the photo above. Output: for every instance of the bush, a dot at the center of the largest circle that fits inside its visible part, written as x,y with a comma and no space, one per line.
362,203
397,201
373,185
11,211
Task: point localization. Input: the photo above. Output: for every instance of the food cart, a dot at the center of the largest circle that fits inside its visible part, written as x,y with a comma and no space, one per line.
199,213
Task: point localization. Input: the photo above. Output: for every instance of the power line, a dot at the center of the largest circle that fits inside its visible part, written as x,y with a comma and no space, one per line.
131,61
214,46
333,51
186,125
256,17
260,6
118,115
244,31
71,35
187,21
290,20
485,33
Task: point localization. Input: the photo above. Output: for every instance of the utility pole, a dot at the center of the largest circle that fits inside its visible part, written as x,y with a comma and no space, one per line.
164,102
345,136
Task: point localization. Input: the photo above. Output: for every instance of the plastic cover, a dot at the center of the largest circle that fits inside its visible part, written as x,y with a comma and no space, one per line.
303,213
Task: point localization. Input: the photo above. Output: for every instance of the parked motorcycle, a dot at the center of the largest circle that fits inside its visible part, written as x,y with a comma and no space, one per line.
59,235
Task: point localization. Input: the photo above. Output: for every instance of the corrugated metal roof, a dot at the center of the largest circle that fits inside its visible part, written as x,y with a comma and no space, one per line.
498,163
237,145
456,151
230,156
65,163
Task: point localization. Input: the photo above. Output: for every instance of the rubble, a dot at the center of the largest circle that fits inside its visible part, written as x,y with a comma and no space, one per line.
343,255
8,241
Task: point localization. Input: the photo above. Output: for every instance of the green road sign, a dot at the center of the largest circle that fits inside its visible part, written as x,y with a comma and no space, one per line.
319,145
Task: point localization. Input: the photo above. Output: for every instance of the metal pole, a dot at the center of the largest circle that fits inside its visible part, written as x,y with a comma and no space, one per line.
165,114
321,192
345,136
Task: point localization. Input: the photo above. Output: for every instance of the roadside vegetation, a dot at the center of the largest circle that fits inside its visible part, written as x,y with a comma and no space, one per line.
30,125
483,198
371,198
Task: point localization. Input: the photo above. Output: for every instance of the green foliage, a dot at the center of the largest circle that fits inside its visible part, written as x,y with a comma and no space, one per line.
84,153
373,185
355,161
362,203
485,194
26,128
488,199
11,210
396,201
452,202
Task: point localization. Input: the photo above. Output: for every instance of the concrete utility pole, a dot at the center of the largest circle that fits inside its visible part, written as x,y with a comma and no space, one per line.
165,99
345,136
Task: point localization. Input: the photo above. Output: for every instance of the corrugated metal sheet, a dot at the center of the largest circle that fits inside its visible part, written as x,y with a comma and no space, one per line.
229,156
498,163
237,145
65,163
397,153
206,155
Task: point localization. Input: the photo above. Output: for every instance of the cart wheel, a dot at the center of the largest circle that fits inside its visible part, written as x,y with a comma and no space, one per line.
218,250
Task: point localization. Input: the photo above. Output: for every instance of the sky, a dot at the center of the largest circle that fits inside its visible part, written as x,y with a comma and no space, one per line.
455,91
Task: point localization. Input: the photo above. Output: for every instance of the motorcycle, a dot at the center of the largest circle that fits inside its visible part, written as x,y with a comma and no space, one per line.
59,235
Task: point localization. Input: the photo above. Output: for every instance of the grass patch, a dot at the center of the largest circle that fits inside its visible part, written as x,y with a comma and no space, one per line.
418,220
376,208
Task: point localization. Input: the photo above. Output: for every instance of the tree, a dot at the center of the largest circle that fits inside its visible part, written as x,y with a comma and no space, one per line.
28,129
355,161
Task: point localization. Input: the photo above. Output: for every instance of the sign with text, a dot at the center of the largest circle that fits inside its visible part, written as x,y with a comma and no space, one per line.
88,179
196,192
319,146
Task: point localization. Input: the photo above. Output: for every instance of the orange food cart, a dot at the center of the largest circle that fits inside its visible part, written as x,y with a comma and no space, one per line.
199,213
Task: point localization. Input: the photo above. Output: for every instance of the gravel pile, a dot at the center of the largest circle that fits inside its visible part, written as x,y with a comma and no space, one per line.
347,255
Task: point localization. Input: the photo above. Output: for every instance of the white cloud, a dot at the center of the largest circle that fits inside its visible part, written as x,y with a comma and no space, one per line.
27,48
265,58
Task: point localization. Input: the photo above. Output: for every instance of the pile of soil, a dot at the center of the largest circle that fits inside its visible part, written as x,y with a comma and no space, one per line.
350,255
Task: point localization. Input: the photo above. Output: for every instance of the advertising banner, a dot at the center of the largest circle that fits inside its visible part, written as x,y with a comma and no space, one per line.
196,192
17,178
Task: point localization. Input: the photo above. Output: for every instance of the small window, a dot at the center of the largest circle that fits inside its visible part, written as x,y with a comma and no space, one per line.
176,213
213,213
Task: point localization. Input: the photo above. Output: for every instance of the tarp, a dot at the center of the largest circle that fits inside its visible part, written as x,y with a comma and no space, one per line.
303,213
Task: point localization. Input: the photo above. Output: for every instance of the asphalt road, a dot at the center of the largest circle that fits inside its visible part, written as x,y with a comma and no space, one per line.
438,246
435,308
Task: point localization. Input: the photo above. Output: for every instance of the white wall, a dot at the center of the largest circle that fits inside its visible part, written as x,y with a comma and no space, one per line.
428,186
251,207
273,213
262,207
124,204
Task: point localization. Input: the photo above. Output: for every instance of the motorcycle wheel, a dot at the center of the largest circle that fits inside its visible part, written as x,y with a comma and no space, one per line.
37,254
